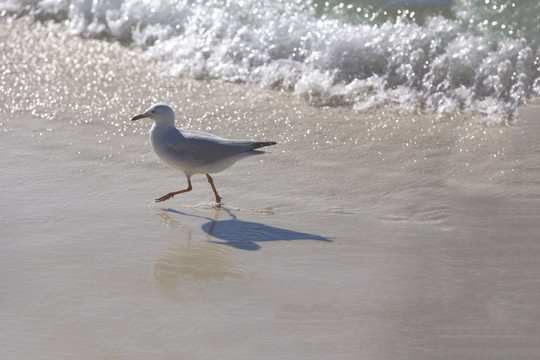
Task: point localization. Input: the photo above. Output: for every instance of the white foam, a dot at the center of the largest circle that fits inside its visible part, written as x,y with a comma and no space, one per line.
444,64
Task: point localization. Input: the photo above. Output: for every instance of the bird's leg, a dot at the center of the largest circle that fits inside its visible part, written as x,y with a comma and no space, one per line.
170,195
211,181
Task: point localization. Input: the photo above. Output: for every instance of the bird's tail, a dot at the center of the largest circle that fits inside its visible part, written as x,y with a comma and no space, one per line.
263,144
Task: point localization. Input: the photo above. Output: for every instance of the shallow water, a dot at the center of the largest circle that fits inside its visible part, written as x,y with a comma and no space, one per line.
362,234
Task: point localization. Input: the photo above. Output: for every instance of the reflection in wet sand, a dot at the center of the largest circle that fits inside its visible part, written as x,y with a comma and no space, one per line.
190,263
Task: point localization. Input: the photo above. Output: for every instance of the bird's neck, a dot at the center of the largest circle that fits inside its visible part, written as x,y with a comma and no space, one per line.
163,125
163,130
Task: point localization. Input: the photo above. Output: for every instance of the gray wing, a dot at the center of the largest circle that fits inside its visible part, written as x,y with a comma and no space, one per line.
208,148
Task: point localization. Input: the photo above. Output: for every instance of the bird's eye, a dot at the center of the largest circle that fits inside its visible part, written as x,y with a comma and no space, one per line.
153,111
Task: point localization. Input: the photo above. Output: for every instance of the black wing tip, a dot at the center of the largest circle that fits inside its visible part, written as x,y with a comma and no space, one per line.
263,144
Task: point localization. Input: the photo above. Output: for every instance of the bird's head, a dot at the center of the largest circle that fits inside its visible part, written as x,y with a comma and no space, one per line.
160,113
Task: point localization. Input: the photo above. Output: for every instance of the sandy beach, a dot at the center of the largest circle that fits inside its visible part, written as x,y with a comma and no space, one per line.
360,235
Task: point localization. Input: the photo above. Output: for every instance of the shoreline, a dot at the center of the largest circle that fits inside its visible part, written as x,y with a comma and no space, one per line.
413,239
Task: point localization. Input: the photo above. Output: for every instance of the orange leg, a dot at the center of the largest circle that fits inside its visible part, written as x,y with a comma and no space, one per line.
211,181
170,195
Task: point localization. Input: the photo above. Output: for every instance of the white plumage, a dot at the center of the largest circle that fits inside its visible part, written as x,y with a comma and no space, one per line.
194,152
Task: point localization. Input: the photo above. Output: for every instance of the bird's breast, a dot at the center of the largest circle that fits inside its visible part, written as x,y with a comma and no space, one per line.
167,146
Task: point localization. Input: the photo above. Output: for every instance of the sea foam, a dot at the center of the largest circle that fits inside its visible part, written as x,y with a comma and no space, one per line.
481,59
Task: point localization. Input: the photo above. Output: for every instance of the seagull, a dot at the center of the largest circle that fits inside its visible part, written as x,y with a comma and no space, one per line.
194,152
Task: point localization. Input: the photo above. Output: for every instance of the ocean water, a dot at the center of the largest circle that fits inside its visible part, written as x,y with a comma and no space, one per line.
479,58
383,225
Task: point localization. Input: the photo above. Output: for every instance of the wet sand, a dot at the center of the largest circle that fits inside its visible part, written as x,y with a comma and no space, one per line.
360,235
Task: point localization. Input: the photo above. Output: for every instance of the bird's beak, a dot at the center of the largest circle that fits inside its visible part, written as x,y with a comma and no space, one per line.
140,116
